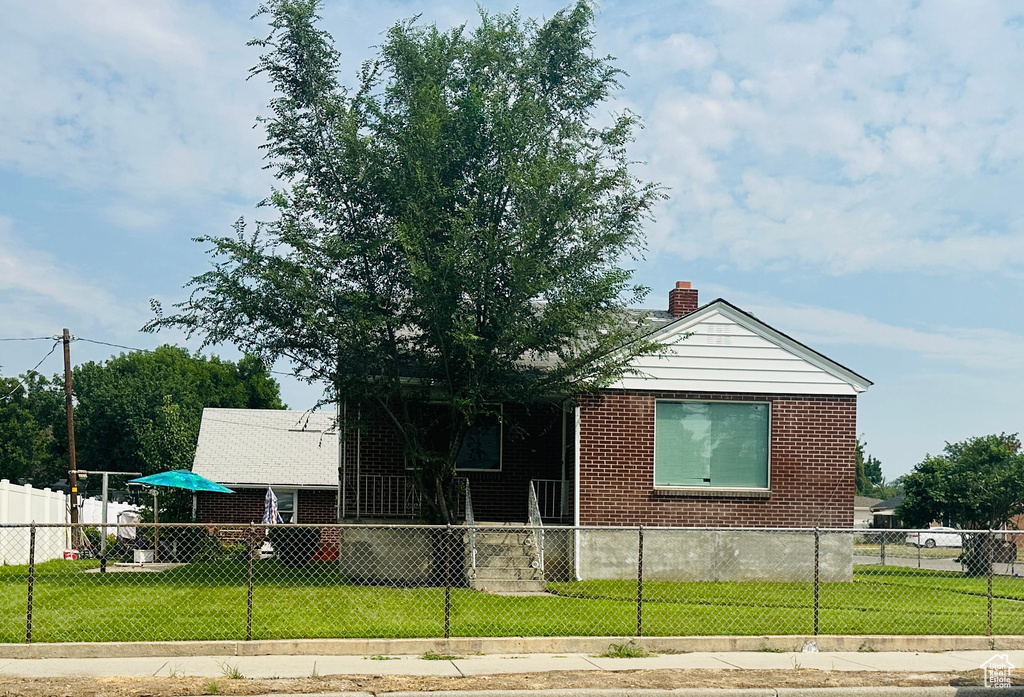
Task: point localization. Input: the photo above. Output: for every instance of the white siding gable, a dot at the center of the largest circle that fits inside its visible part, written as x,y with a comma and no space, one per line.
720,349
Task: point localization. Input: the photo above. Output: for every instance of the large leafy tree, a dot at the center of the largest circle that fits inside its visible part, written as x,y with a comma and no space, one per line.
976,484
869,471
140,411
137,412
450,230
28,448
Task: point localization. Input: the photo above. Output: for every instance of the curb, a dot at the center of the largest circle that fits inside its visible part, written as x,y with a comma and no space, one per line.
507,645
697,692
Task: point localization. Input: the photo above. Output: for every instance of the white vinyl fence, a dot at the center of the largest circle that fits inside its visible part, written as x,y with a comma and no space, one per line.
20,504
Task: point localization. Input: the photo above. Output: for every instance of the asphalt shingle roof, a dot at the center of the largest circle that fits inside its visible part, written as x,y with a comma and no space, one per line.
267,447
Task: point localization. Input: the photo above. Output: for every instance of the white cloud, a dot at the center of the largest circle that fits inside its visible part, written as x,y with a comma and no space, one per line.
853,136
35,287
953,348
141,101
679,51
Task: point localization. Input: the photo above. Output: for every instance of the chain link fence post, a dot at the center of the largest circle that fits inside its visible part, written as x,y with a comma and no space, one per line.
31,581
640,582
990,558
881,551
817,576
249,545
447,552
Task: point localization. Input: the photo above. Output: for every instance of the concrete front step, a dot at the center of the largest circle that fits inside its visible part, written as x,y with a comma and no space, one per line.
505,561
507,574
503,586
498,539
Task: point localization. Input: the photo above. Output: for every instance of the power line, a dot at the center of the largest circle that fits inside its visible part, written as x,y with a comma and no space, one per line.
36,367
106,343
120,346
28,338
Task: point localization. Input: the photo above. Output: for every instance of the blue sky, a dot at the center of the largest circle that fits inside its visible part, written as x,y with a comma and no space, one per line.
850,172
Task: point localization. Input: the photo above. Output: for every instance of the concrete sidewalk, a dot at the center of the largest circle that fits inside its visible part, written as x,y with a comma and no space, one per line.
302,666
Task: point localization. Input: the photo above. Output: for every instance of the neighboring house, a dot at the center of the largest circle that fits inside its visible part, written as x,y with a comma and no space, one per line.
248,450
733,424
863,517
884,513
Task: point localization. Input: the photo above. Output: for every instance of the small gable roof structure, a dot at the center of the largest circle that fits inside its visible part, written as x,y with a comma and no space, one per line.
721,348
260,447
865,502
889,505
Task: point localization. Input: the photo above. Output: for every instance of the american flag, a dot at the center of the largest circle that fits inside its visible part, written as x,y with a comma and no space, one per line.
270,512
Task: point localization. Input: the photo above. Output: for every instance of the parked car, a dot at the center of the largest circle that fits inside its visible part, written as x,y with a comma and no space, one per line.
936,537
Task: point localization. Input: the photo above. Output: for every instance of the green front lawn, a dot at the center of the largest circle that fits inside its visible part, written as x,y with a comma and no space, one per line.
208,601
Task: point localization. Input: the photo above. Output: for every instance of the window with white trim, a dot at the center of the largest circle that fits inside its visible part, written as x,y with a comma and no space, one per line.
287,505
712,444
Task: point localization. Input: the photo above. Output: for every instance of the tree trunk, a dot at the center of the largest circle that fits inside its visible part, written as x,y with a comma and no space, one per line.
977,554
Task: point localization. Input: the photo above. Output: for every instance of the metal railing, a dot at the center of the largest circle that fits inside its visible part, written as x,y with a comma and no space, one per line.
387,496
392,496
554,498
470,527
229,582
537,523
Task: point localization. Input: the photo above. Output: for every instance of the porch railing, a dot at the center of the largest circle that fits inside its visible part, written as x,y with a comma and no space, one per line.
554,498
394,496
387,496
537,523
471,525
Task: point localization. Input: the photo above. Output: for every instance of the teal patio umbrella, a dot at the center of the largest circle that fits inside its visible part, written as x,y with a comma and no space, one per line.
182,479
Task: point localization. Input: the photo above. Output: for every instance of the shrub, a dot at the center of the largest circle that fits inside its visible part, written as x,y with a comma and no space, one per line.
294,545
208,547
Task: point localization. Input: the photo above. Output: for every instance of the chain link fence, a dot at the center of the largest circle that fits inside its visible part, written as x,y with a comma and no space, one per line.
229,582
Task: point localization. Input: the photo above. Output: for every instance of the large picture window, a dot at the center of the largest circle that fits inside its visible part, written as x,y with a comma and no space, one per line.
711,444
482,447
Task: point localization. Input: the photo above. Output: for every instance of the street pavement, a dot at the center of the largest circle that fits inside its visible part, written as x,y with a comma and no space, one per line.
935,564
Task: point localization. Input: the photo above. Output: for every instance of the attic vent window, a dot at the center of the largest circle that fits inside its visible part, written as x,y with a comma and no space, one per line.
717,335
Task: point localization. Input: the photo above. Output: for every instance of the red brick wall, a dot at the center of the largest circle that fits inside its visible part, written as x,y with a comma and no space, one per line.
812,465
531,449
316,506
243,506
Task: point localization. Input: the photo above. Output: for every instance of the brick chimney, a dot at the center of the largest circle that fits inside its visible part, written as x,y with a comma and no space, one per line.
682,300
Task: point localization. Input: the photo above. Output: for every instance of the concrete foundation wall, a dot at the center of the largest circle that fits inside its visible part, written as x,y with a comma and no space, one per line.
393,556
714,555
559,563
408,556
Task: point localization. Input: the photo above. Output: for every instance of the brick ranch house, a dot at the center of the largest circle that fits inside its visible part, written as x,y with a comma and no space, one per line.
733,424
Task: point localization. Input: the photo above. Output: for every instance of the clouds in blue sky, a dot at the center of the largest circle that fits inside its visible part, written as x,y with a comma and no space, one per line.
849,171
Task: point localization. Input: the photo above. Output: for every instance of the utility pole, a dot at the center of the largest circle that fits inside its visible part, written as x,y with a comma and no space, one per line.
69,409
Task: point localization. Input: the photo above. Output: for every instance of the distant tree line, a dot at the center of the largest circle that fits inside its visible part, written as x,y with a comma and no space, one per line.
870,481
137,411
